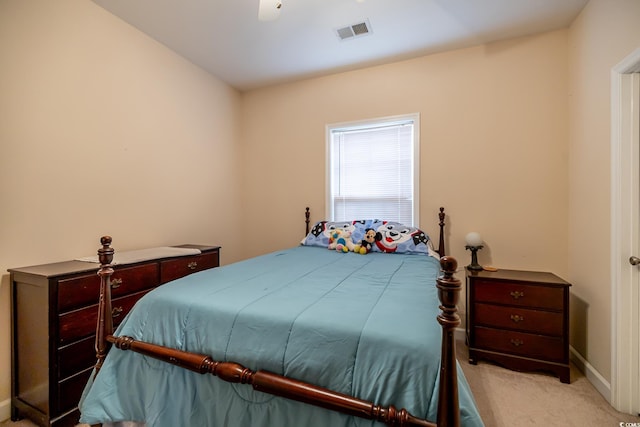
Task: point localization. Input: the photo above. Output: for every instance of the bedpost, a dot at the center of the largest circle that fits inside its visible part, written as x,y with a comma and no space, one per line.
307,214
104,327
441,248
448,293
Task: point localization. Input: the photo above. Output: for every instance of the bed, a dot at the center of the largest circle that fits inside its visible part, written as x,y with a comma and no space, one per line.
300,336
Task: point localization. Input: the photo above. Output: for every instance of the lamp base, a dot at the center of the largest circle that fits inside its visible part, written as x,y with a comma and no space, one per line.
474,266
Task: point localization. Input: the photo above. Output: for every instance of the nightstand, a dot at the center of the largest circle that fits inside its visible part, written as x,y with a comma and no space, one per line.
519,319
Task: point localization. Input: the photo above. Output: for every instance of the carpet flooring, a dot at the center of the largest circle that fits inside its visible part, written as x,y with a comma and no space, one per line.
514,399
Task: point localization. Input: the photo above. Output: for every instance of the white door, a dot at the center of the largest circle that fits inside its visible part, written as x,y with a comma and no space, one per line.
634,258
625,217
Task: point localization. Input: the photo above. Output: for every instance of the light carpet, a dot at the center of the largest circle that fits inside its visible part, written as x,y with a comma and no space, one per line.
512,399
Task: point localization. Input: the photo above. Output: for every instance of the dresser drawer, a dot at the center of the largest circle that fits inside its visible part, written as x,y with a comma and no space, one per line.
180,267
520,343
84,290
510,293
76,357
70,390
81,323
518,318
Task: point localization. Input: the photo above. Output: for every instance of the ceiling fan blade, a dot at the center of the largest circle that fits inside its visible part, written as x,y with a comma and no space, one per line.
269,10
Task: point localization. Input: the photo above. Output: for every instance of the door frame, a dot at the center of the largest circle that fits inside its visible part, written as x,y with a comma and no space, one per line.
625,217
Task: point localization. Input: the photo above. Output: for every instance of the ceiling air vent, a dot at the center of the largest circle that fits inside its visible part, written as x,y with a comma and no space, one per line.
355,30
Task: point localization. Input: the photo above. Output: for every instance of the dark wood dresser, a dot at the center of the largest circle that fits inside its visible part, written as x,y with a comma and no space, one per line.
54,312
519,319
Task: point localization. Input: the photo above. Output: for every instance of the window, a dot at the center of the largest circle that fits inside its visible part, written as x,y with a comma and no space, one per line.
373,170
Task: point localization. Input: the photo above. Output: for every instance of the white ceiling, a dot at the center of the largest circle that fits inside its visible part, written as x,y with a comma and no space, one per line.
225,37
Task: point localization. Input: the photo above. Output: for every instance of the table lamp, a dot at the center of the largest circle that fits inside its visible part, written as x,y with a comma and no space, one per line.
474,243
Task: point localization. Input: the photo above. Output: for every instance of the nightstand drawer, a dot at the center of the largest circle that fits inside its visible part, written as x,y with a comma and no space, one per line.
510,293
82,291
520,343
81,323
518,318
180,267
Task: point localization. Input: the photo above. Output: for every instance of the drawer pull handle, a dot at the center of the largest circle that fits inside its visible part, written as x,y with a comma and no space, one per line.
117,311
516,342
116,283
192,265
517,294
517,318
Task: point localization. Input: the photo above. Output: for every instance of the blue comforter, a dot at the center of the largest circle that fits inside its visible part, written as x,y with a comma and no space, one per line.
360,325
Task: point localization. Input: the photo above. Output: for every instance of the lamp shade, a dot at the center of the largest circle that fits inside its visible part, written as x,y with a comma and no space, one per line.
473,239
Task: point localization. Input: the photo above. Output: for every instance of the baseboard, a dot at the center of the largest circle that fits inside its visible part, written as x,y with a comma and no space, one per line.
5,410
598,381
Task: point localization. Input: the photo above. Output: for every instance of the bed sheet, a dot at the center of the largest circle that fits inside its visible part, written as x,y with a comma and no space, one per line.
363,325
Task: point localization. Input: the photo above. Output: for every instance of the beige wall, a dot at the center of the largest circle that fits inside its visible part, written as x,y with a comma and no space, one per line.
605,32
493,146
104,131
514,143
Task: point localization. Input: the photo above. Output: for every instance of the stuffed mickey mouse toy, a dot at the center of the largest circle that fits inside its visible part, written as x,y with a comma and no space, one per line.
367,242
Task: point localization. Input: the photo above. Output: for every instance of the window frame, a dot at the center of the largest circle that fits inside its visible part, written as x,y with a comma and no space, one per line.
380,121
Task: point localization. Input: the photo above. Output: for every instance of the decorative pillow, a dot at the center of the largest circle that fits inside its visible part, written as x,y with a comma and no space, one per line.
394,237
391,237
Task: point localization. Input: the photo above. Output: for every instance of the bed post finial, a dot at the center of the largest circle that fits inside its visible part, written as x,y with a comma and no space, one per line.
105,253
448,293
307,214
104,327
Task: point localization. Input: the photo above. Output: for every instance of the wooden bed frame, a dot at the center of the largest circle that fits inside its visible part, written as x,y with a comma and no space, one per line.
268,382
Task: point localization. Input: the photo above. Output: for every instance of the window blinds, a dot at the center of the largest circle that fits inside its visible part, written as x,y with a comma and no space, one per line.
372,172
